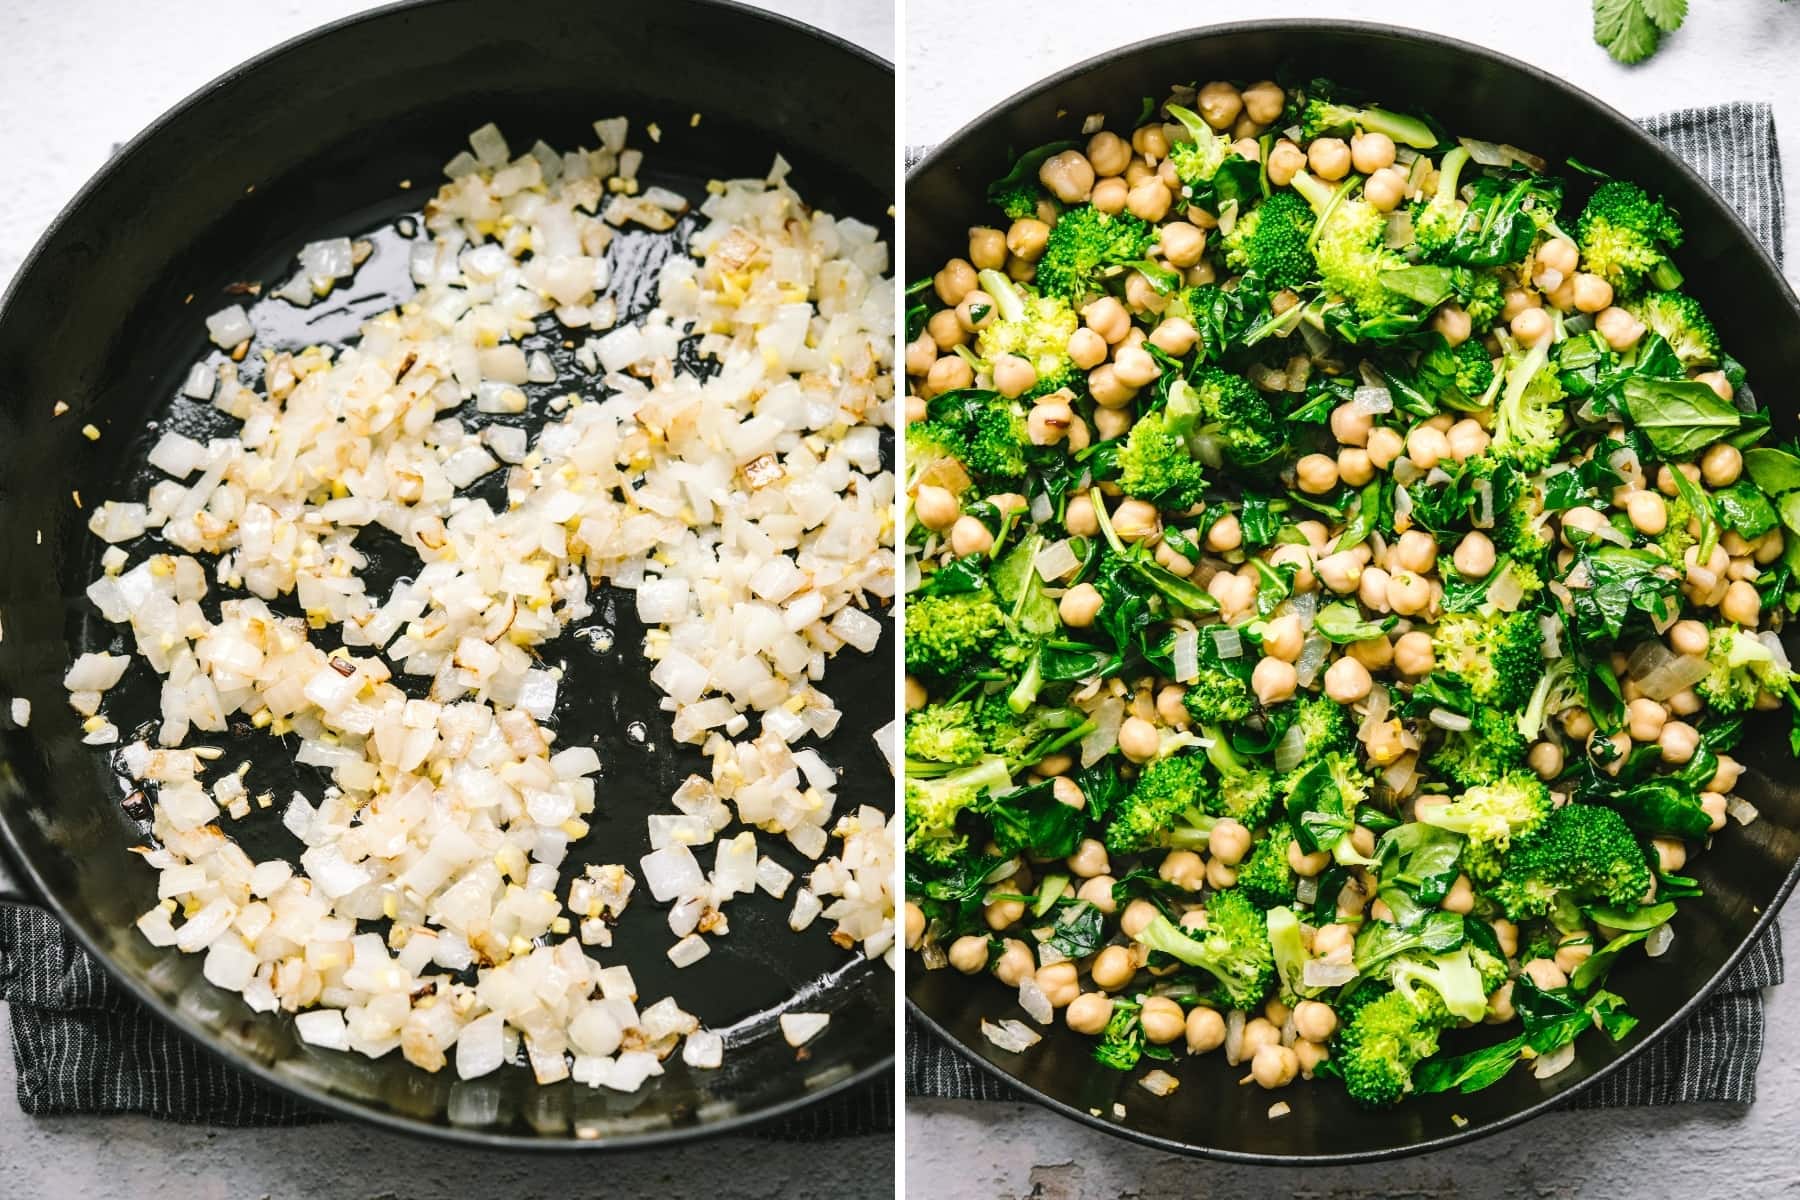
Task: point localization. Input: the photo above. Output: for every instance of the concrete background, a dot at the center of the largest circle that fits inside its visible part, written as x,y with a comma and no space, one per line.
76,78
1729,50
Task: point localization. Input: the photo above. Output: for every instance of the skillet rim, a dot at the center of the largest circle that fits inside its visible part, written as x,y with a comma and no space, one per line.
1765,261
32,885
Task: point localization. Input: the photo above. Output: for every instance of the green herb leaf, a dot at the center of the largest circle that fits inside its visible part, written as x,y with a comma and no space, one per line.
1666,15
1679,416
1774,471
1625,30
1343,623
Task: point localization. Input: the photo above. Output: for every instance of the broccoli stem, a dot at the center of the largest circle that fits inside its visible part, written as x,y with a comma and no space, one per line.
1520,377
1450,173
1665,276
1007,301
1409,131
1324,199
1099,503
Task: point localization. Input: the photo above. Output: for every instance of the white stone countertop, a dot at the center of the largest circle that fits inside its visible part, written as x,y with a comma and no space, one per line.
77,77
1729,50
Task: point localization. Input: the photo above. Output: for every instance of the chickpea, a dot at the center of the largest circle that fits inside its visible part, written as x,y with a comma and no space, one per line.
1582,522
1108,153
1205,1030
1314,1020
1678,741
1098,892
1138,914
1415,551
1620,329
1225,534
1532,326
921,352
1089,858
1273,680
1003,914
1013,377
1229,842
1316,474
1259,1032
1233,592
1385,189
1726,775
1545,973
1274,1066
1113,968
1721,465
1089,1012
1375,654
935,507
1087,349
969,954
1648,511
1135,520
1219,104
1107,390
946,329
1182,242
1671,854
1500,1005
1329,158
1546,758
1169,708
1069,176
1474,555
1219,876
1459,897
1451,321
1559,255
1079,518
1347,681
1138,739
1384,447
1742,604
1341,572
1644,719
1572,951
1150,200
1134,367
1301,558
915,925
1163,1020
1067,791
1466,439
1372,588
1183,868
969,536
949,373
1027,237
1109,195
1286,160
1350,425
987,248
1306,865
1108,318
955,281
1174,336
1516,301
1717,381
1688,637
1015,963
1283,637
1713,805
1684,703
916,696
1408,594
1578,724
1561,296
1426,445
1060,983
1592,294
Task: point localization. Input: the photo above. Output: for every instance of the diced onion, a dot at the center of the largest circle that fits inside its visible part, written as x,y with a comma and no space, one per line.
1228,643
1291,749
1505,591
1318,973
1035,1002
1399,775
1741,810
1279,1109
1484,505
799,1028
1185,653
1558,1060
1372,400
1234,1037
1056,560
1105,734
1306,891
1010,1035
1159,1083
1311,660
1488,154
1550,628
1658,942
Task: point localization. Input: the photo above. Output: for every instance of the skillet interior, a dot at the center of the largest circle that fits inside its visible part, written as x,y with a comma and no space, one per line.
1747,873
312,141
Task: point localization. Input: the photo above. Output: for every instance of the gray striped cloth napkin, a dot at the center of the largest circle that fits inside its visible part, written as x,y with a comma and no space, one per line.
1713,1056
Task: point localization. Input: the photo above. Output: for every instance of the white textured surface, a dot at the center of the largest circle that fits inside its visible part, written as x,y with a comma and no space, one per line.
76,78
1730,50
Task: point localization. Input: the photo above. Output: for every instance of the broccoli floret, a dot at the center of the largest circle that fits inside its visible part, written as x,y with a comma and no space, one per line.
1378,1047
951,634
1350,247
1033,327
1167,806
1625,236
1738,667
1499,656
1482,297
1435,221
1521,529
1586,850
1083,243
1121,1043
1325,726
1319,117
1491,816
1239,417
960,732
1271,240
1288,946
1682,323
1490,747
1529,415
1198,160
1677,534
1457,377
1445,987
1266,877
1217,697
1019,200
933,805
1155,465
1247,790
1233,947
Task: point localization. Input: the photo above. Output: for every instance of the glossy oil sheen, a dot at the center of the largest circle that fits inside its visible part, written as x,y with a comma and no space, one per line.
1748,871
313,141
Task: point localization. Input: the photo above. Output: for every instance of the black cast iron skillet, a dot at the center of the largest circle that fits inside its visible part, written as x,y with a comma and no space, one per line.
1749,870
313,140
